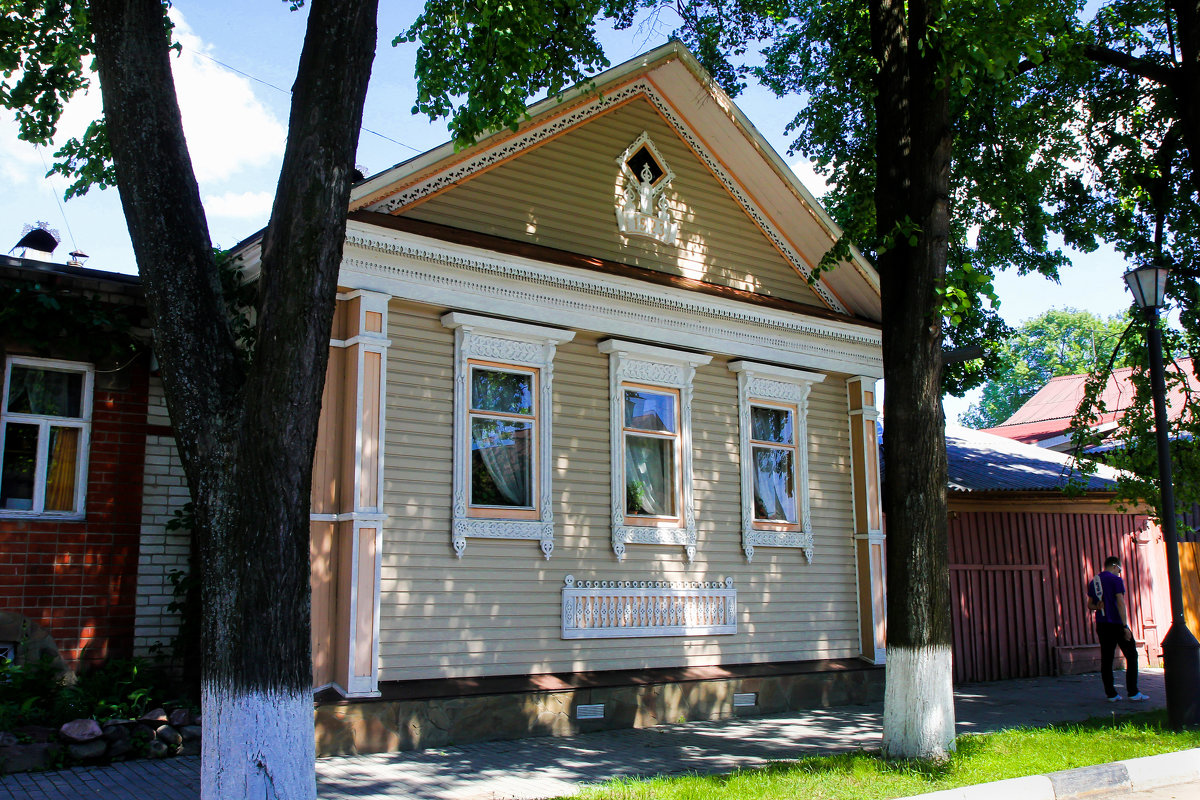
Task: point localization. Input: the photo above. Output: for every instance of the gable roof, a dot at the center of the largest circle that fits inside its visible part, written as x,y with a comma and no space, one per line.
1047,415
683,95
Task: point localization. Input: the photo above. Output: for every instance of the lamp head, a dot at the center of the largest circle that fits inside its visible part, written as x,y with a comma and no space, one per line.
1148,284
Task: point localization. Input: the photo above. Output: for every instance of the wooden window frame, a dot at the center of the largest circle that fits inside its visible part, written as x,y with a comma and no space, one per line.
767,385
658,369
83,423
520,347
794,446
675,520
533,512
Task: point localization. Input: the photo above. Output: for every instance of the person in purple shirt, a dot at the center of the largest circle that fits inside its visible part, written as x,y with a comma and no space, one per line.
1106,596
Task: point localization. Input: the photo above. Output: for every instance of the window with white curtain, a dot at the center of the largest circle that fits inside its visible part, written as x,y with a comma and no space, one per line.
773,423
503,386
45,423
650,392
504,441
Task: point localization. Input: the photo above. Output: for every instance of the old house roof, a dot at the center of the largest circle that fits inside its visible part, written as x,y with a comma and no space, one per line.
1045,418
981,461
503,191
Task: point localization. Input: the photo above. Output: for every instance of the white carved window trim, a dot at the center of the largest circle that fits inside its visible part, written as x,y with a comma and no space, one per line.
43,422
766,385
650,366
526,347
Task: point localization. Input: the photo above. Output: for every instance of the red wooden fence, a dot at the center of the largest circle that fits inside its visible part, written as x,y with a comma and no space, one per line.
1018,581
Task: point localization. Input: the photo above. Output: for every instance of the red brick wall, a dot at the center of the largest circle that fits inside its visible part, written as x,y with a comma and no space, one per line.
78,579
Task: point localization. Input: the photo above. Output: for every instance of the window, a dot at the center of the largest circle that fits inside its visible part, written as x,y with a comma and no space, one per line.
44,431
502,429
503,418
651,423
772,417
651,434
773,464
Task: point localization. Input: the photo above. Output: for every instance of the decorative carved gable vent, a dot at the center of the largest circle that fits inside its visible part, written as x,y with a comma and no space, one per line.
642,209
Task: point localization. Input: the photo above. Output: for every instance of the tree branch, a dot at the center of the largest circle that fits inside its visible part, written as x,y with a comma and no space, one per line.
1127,63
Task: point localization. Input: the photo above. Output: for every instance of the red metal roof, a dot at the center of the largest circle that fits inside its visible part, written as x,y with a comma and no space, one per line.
1048,413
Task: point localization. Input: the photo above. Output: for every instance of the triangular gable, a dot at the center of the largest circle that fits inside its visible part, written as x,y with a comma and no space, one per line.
669,93
570,193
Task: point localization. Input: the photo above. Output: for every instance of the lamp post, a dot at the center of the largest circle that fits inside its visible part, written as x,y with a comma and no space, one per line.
1181,651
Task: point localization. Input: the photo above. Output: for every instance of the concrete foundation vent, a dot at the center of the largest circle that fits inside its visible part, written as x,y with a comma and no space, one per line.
590,711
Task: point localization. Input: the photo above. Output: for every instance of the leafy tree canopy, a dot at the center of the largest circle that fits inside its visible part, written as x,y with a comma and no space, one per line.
1058,342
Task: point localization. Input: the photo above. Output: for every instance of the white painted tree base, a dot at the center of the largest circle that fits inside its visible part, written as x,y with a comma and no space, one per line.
257,745
918,703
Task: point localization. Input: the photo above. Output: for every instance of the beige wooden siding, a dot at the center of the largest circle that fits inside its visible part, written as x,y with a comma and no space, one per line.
497,610
563,195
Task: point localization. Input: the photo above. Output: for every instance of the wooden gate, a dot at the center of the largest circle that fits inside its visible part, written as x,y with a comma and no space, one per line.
1017,582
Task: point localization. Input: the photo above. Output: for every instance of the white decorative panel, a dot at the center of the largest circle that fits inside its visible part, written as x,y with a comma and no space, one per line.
783,385
671,369
642,208
621,609
514,343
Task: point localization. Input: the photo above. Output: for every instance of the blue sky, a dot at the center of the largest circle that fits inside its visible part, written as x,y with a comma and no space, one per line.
239,59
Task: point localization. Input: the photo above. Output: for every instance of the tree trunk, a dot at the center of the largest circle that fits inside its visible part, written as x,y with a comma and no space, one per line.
245,423
912,207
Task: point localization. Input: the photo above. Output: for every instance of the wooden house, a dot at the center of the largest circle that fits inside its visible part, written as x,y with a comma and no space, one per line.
597,448
1022,552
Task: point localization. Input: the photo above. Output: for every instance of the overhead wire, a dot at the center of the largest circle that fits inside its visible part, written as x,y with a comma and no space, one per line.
365,129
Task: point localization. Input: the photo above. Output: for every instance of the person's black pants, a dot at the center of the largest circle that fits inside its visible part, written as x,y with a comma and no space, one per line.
1112,637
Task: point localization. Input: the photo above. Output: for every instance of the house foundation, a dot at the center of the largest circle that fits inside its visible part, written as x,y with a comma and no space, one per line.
414,715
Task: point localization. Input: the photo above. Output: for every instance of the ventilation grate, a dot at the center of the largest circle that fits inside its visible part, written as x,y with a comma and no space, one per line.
592,711
745,699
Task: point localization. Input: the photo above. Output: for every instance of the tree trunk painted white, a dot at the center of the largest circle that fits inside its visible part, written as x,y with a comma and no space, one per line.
257,745
918,703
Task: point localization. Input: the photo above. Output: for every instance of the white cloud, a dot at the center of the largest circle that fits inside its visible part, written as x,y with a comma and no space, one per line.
811,180
240,205
228,129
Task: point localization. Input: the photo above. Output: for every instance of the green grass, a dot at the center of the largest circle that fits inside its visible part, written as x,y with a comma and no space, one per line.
865,776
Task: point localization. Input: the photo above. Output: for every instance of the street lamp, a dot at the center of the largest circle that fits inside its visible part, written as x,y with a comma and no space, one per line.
1181,651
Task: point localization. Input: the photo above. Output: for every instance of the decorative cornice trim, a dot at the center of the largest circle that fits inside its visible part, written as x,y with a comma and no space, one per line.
538,134
613,304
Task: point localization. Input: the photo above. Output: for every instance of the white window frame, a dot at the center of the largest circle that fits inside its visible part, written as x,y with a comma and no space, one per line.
520,347
635,364
771,386
83,423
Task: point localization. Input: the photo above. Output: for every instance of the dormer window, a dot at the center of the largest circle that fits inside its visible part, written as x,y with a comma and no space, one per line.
642,208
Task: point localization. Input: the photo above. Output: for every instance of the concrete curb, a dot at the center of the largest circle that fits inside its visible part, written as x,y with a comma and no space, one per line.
1135,774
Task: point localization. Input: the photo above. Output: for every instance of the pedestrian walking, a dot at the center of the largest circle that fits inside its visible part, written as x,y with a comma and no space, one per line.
1106,596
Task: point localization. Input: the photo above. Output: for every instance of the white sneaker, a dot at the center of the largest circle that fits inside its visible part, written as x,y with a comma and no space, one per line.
1115,698
1139,696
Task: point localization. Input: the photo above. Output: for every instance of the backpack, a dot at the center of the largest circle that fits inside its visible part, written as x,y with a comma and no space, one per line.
1096,595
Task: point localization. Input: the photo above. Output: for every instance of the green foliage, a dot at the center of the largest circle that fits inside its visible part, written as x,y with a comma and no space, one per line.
45,58
42,50
36,694
241,299
1132,446
54,321
1058,342
481,59
87,163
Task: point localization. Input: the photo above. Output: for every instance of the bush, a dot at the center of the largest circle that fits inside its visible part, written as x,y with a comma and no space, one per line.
35,694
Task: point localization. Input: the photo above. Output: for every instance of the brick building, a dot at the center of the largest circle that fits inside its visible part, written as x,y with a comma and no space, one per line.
88,475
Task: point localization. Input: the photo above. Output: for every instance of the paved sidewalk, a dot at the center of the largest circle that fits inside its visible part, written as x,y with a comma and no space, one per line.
551,767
